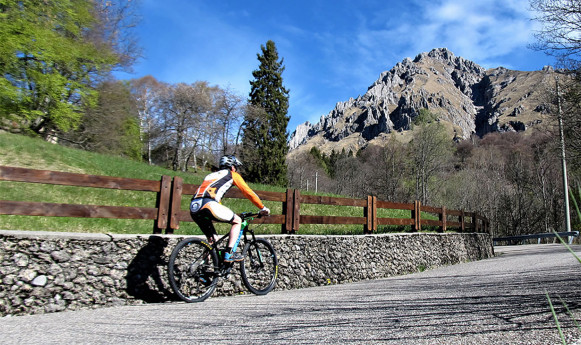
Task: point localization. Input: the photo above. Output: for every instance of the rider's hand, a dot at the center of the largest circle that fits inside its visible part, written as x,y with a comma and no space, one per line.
265,211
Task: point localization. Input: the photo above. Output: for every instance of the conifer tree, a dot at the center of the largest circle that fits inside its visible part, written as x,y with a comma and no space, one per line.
264,142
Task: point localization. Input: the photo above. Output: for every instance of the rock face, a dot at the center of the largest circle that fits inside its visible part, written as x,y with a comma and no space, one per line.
473,100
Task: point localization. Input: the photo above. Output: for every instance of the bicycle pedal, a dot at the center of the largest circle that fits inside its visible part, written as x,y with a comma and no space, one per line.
225,272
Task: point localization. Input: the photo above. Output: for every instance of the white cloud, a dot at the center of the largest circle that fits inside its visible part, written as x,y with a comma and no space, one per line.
450,11
482,31
478,30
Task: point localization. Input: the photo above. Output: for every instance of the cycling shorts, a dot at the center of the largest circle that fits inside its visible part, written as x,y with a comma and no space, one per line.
204,211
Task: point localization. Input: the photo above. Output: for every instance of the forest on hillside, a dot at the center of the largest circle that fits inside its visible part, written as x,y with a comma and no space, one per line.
514,179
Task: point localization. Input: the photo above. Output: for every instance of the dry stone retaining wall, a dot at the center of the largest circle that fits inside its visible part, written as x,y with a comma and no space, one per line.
44,272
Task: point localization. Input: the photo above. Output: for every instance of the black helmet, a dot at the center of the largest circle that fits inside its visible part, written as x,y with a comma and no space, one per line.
229,161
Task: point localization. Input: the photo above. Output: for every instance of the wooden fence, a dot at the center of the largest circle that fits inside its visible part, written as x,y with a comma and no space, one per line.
167,213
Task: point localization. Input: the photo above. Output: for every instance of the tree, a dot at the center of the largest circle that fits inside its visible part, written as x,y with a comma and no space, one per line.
384,167
424,117
186,125
560,35
111,126
146,91
349,177
547,184
228,115
571,103
264,142
113,30
184,110
51,56
305,172
429,151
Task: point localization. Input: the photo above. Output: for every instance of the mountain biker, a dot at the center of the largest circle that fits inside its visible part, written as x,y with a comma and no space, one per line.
206,207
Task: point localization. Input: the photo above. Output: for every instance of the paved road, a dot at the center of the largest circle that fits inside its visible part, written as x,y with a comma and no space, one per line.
495,301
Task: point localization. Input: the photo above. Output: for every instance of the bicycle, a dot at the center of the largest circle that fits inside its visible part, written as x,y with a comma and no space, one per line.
195,266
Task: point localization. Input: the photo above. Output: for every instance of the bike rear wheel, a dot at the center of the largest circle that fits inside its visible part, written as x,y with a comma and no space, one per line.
260,266
191,270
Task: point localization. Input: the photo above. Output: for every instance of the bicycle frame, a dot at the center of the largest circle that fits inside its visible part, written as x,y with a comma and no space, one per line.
246,217
244,231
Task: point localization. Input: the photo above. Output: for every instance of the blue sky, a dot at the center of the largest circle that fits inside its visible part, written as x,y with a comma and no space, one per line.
332,49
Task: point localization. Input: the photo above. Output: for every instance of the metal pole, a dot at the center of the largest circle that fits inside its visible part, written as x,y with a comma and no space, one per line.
563,161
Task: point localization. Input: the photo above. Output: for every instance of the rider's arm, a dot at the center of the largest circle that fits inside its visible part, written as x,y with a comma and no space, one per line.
248,193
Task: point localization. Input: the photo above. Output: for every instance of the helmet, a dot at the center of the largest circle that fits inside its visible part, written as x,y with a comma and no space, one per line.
229,161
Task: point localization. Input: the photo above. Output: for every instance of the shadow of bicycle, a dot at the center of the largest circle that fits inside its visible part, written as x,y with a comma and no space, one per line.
147,273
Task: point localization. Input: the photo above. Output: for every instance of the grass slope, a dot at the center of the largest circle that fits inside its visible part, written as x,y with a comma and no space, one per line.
25,152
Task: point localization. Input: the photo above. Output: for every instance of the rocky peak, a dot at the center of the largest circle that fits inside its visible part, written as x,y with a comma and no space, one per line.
457,90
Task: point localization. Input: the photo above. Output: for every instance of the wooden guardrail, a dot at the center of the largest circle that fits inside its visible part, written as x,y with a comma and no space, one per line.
167,213
158,212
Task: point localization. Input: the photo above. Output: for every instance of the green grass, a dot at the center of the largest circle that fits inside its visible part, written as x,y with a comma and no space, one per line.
33,153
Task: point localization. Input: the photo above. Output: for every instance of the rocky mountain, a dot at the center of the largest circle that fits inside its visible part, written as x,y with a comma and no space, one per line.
463,95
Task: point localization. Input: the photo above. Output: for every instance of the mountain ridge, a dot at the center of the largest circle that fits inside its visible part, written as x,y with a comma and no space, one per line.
468,98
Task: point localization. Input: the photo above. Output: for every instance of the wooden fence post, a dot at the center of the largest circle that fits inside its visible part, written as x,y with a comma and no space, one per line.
419,218
296,210
162,204
462,221
374,214
413,214
287,210
176,203
367,214
443,219
370,213
416,214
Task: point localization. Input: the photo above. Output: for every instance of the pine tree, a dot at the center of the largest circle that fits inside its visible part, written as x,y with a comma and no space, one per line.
264,142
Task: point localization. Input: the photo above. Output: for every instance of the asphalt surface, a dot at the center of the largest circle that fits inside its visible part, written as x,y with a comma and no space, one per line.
495,301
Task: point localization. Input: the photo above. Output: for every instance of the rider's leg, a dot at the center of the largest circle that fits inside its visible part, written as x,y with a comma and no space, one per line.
213,238
205,224
233,241
222,213
203,219
234,232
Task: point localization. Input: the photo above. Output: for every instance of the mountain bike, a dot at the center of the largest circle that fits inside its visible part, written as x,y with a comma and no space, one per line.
195,266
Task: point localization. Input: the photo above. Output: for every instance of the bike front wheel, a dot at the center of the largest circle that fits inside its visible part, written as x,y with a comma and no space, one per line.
191,270
260,266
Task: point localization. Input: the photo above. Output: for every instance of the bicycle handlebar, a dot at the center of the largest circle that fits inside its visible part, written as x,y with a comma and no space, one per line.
245,215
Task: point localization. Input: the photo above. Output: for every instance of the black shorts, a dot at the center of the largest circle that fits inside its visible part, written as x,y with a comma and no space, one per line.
205,211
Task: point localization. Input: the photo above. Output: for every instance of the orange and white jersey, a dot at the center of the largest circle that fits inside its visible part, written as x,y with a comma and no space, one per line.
216,184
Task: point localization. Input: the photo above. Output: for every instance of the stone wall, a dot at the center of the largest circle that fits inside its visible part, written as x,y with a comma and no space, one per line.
44,272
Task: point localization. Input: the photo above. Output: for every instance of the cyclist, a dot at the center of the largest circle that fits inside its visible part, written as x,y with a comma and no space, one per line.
206,207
